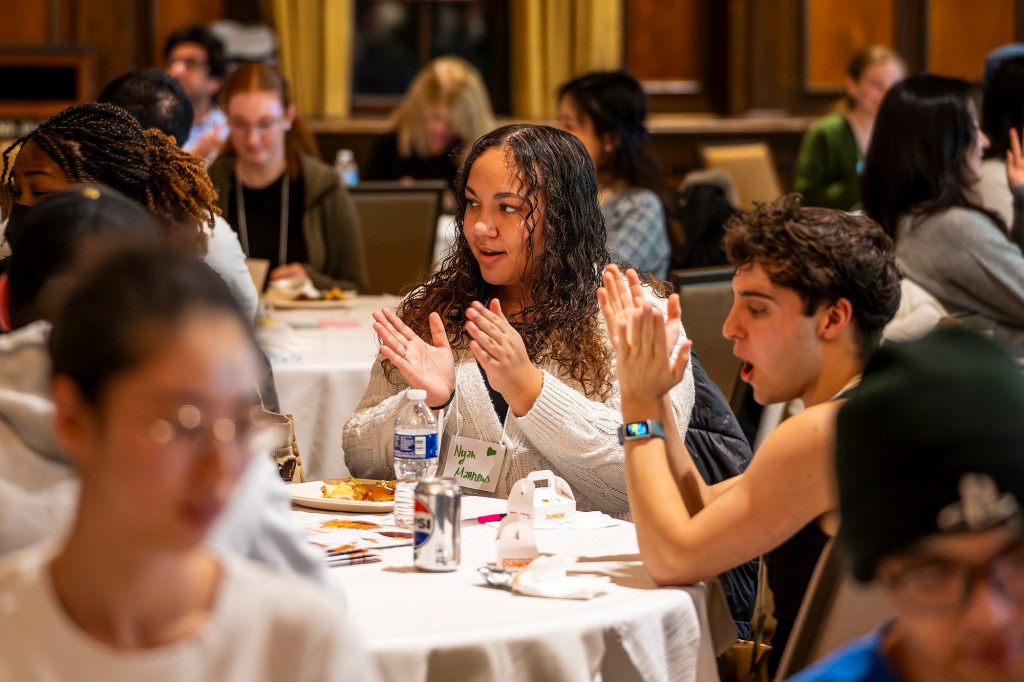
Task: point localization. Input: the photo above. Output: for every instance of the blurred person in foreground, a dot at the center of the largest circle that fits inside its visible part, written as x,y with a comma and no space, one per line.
930,466
38,480
153,380
606,110
812,290
195,58
158,101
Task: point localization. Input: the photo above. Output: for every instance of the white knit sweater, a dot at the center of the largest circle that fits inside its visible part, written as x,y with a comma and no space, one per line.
565,431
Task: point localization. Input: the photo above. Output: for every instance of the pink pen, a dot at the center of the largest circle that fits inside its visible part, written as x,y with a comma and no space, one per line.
490,517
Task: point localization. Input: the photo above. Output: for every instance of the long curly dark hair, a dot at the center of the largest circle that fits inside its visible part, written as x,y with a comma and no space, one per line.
104,143
559,315
822,255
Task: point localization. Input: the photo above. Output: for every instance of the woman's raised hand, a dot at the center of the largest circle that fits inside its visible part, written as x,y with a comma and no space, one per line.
1014,161
501,352
644,371
618,298
422,365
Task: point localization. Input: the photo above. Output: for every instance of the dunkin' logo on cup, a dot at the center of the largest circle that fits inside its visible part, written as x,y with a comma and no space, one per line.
423,523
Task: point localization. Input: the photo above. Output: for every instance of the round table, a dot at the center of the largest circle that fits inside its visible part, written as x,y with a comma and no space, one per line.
321,360
425,627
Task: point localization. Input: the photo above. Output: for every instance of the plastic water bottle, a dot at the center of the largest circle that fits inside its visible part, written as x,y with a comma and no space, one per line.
346,167
415,452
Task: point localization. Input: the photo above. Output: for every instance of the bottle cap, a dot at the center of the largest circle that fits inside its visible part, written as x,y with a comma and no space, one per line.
345,155
416,394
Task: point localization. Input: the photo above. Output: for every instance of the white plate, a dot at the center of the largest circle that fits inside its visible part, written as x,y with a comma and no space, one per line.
309,495
292,304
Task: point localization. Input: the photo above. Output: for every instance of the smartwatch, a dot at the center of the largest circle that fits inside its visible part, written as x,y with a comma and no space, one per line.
641,431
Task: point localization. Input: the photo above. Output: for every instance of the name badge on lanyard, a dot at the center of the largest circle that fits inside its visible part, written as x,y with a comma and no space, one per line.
474,463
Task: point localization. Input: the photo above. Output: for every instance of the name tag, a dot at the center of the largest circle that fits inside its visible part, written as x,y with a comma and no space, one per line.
474,463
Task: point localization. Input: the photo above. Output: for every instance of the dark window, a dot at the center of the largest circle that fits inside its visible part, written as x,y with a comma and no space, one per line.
395,39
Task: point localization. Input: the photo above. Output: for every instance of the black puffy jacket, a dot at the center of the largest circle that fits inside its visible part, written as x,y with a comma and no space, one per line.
719,449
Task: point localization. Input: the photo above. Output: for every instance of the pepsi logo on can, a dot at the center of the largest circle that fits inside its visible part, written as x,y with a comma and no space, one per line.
436,523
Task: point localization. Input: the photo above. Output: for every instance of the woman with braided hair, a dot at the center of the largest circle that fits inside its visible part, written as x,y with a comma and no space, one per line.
104,143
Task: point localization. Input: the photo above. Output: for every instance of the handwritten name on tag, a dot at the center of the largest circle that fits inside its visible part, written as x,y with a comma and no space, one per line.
474,463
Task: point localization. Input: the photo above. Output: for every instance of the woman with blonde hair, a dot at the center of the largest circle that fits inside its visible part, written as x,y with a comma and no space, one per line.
287,205
446,108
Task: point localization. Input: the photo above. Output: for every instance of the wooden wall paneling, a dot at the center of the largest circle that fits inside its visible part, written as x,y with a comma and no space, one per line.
961,32
834,30
661,41
112,28
737,57
668,45
43,79
27,23
774,80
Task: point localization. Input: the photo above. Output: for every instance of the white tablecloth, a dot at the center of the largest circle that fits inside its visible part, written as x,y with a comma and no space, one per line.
321,374
450,626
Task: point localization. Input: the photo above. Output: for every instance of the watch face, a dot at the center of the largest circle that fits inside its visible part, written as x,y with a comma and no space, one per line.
637,430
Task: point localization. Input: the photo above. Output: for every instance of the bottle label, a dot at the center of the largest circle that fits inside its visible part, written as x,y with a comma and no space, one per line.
416,446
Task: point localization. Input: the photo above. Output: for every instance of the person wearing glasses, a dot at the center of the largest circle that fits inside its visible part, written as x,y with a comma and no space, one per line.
286,205
195,58
930,466
39,482
154,370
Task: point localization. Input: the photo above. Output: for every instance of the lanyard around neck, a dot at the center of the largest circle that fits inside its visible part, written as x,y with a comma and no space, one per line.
454,409
243,230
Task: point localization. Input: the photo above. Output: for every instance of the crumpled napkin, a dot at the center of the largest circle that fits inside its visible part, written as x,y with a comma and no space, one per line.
294,287
546,576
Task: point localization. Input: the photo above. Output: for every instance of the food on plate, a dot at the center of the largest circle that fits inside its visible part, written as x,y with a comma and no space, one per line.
359,491
335,294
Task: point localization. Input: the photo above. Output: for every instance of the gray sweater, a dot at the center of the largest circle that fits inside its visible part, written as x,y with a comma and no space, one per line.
969,264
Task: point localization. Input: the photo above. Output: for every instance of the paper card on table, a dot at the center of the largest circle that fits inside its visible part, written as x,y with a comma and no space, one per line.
474,463
346,536
517,545
548,505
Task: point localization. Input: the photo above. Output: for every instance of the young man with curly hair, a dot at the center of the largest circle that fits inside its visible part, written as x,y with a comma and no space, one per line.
813,289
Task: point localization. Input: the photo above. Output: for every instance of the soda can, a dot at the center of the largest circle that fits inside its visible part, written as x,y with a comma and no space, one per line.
436,524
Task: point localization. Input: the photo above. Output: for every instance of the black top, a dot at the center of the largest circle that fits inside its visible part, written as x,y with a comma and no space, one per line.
790,566
497,400
387,164
263,221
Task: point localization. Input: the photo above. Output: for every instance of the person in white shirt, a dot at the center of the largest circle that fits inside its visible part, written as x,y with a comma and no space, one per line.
153,376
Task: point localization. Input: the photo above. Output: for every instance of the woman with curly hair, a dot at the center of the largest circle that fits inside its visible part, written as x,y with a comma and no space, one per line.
104,143
507,336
